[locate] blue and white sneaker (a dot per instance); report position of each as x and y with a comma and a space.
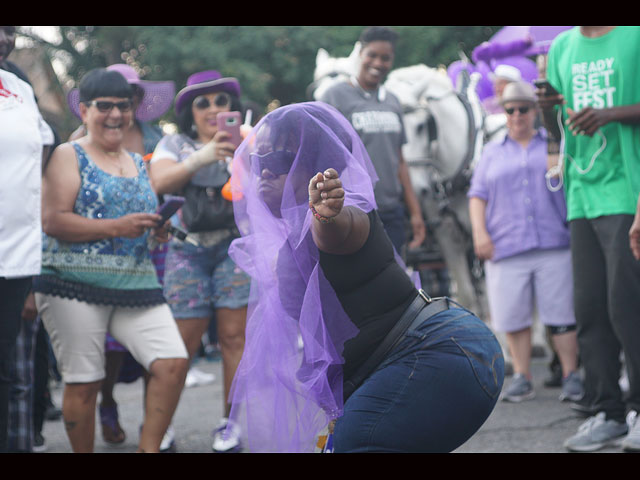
519, 390
572, 388
596, 433
631, 443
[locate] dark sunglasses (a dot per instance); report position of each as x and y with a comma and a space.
278, 162
522, 110
221, 100
104, 106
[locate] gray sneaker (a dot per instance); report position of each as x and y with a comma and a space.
632, 441
519, 389
596, 433
572, 389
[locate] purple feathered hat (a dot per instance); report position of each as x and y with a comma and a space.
207, 81
155, 102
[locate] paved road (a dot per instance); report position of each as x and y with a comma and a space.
537, 426
197, 414
540, 425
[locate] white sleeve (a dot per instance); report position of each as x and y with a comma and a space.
45, 131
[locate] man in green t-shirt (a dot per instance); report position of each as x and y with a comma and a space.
596, 71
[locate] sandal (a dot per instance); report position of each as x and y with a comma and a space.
111, 430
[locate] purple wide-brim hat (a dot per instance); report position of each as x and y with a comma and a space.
207, 81
157, 98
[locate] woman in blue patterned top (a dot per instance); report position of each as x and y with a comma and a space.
97, 274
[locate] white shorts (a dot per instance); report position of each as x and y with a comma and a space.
539, 280
77, 331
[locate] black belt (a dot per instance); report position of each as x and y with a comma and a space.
422, 308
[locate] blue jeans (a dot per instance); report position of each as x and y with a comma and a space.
430, 394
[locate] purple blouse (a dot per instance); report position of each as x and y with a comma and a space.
522, 214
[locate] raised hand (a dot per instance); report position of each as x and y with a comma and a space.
326, 194
216, 150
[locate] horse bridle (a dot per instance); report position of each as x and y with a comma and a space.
459, 178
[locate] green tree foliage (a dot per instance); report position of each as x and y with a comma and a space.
271, 62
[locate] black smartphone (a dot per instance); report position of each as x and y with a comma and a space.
171, 205
543, 84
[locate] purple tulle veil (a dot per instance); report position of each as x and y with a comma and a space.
288, 385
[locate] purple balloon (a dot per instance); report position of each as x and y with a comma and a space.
485, 85
455, 68
538, 34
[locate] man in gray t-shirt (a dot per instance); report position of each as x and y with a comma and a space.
379, 124
376, 115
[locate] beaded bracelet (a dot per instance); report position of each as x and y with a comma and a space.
320, 218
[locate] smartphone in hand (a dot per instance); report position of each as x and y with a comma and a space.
171, 205
230, 122
543, 84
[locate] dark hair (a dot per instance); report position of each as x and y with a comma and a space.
379, 34
185, 117
101, 82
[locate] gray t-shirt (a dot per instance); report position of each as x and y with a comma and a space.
178, 147
378, 120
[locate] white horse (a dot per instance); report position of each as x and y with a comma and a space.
443, 125
330, 70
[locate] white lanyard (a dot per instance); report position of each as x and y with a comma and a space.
557, 170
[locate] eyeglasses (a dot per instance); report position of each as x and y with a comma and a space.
104, 106
278, 162
221, 100
522, 110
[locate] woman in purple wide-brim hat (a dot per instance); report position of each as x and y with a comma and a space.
205, 82
202, 281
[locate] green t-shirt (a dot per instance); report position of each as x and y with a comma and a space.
599, 72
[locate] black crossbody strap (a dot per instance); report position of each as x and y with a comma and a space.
420, 303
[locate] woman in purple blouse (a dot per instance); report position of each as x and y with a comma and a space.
520, 231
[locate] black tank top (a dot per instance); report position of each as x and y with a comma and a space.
373, 289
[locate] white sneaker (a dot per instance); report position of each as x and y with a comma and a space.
631, 443
168, 444
196, 378
226, 437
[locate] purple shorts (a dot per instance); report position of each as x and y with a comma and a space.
539, 281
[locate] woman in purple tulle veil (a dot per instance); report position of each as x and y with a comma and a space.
334, 322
